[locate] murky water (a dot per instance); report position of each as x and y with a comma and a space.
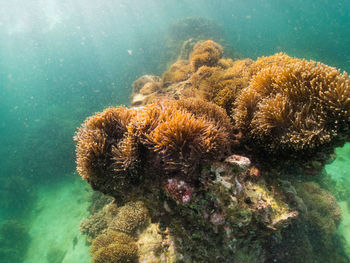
61, 61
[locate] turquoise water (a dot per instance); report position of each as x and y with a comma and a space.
61, 61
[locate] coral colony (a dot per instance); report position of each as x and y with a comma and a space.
215, 160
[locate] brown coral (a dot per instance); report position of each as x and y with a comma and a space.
131, 218
312, 237
206, 110
206, 53
222, 85
114, 247
204, 76
323, 212
294, 105
177, 72
97, 223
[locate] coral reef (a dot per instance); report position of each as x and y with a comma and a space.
281, 105
138, 84
127, 235
223, 83
184, 33
98, 222
98, 201
211, 164
143, 88
299, 243
204, 74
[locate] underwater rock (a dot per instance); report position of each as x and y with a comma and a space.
222, 219
138, 84
217, 219
129, 236
323, 212
143, 88
186, 49
241, 162
156, 246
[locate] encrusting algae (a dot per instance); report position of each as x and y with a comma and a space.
213, 163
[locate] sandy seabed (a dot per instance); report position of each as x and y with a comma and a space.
54, 228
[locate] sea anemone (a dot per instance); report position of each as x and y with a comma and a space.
113, 146
96, 138
205, 53
294, 106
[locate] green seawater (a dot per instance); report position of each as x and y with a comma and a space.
61, 61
